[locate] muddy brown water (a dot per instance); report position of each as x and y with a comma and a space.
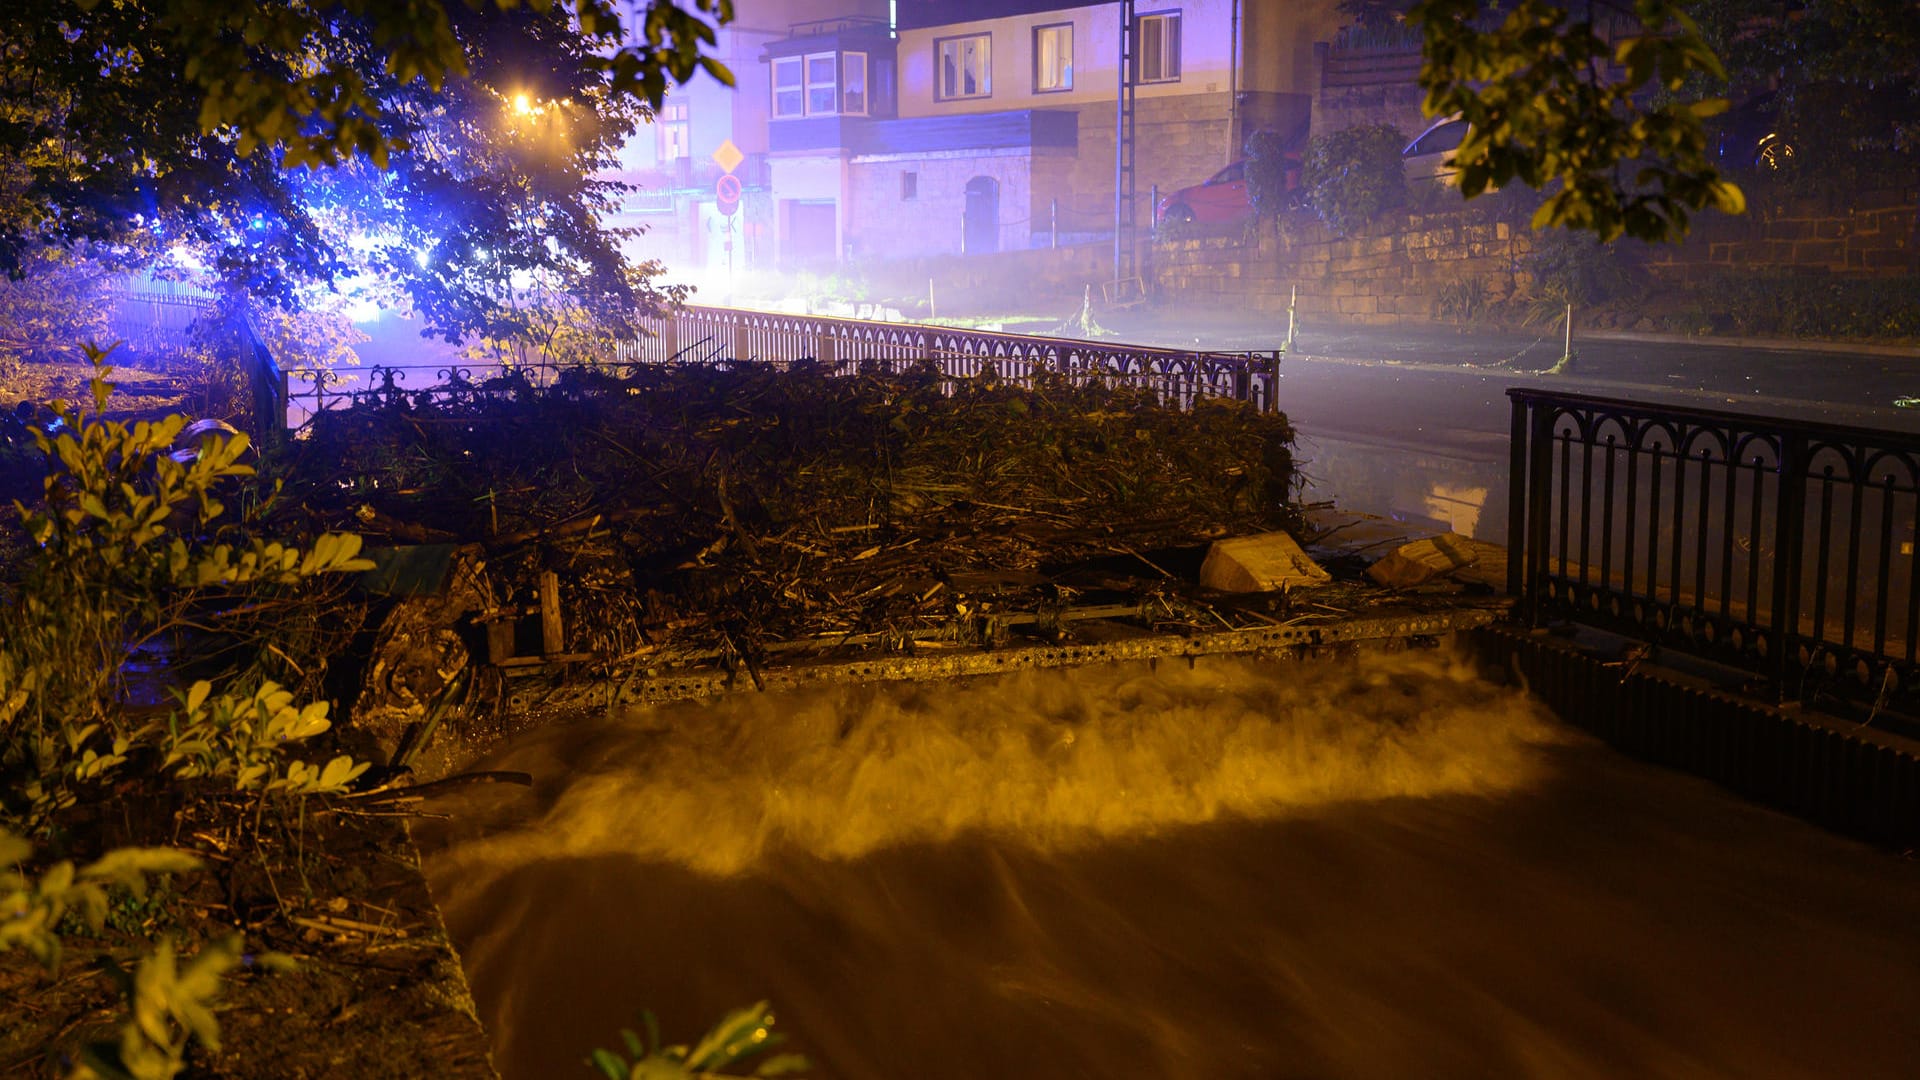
1376, 869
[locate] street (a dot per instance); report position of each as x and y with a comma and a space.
1412, 422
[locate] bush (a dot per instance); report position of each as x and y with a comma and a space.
1575, 268
1817, 305
1352, 176
1267, 174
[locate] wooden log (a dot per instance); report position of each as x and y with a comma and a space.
553, 639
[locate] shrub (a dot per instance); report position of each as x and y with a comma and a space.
1575, 268
1267, 174
1352, 176
123, 553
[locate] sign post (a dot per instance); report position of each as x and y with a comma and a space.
726, 196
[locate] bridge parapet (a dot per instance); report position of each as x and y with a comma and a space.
1782, 547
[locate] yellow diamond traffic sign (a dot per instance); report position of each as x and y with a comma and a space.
728, 156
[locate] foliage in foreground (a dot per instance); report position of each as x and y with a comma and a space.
125, 554
739, 1036
1543, 111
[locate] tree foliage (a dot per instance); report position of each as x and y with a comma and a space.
1552, 105
448, 146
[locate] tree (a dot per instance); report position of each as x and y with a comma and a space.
449, 146
1551, 104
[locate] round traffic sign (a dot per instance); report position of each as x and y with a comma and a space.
726, 193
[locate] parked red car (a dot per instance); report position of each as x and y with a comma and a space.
1221, 198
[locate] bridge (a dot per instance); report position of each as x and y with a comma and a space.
1705, 568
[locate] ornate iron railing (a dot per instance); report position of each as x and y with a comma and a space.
1180, 377
1783, 547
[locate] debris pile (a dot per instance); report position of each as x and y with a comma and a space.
718, 508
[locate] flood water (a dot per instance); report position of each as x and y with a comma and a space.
1375, 868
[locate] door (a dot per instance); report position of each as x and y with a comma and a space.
981, 234
1224, 197
810, 227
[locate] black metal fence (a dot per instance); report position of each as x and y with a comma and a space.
722, 336
1180, 377
1783, 547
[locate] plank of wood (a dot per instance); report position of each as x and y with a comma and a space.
553, 639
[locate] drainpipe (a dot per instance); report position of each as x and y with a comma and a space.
1233, 88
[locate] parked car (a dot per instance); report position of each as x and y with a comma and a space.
1220, 198
1429, 157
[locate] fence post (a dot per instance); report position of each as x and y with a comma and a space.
1789, 531
1517, 501
670, 335
1539, 506
741, 347
1053, 221
823, 348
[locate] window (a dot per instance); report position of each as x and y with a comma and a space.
672, 131
1052, 58
821, 85
909, 185
1439, 139
880, 99
789, 98
853, 79
1158, 48
965, 67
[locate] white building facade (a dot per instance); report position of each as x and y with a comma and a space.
985, 125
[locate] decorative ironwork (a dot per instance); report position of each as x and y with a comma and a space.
724, 335
1783, 547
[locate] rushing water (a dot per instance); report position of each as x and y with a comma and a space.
1382, 868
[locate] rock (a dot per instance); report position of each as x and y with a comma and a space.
1451, 555
1264, 562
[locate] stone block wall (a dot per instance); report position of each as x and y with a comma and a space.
1874, 237
1400, 268
1390, 275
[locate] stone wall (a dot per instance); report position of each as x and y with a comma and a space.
1875, 237
1398, 269
1388, 276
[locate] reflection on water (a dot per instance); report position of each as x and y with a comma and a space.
1382, 868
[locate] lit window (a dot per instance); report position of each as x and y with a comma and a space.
789, 95
1159, 48
822, 87
673, 131
1052, 58
966, 66
853, 72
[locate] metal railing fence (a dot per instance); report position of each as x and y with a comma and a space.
1776, 545
1179, 377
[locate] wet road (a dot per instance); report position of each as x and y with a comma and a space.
1382, 869
1439, 387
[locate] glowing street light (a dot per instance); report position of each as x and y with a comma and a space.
523, 105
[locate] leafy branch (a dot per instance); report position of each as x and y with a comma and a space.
1544, 108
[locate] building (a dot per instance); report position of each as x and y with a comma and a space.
970, 126
670, 162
